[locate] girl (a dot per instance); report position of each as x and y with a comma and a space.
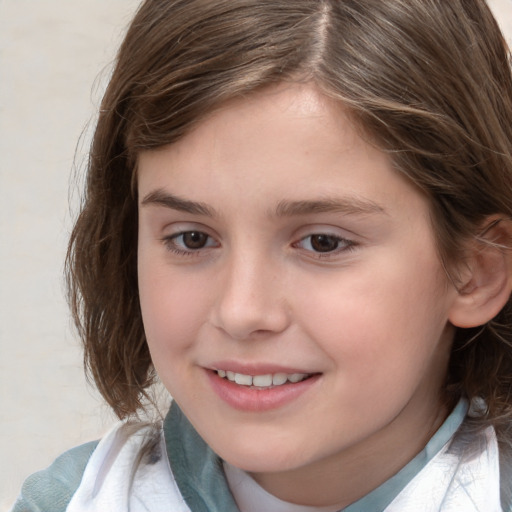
299, 215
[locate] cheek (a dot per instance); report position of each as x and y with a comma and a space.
172, 308
172, 315
379, 322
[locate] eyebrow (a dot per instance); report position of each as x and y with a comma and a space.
345, 205
161, 198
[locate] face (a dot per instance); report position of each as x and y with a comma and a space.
292, 296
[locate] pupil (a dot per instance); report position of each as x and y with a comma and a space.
194, 239
324, 243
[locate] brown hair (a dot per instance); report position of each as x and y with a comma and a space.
428, 80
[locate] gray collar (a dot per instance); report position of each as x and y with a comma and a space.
196, 468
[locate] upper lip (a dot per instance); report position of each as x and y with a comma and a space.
246, 368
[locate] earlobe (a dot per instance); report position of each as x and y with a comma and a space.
488, 283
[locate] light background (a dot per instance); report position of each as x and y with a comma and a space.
54, 62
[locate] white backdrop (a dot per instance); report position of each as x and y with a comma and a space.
54, 58
51, 55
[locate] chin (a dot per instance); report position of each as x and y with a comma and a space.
262, 461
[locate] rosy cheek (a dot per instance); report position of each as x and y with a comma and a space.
171, 312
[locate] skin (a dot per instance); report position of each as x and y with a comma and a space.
370, 316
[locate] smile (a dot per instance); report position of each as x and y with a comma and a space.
262, 391
262, 381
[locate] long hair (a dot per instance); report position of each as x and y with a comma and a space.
429, 81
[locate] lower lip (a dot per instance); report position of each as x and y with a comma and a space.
246, 398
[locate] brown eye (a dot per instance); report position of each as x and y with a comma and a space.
194, 239
324, 243
189, 242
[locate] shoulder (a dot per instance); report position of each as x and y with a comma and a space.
128, 470
52, 488
89, 474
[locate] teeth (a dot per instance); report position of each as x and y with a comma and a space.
262, 381
279, 378
243, 380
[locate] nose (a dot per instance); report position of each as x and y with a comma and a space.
251, 298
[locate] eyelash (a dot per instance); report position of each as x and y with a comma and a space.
172, 246
347, 245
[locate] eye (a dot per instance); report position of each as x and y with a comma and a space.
324, 243
188, 242
192, 239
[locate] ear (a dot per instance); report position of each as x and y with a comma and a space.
487, 276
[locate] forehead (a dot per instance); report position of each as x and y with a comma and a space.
288, 142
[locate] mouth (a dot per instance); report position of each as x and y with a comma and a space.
266, 381
259, 387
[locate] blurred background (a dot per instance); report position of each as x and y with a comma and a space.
55, 59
